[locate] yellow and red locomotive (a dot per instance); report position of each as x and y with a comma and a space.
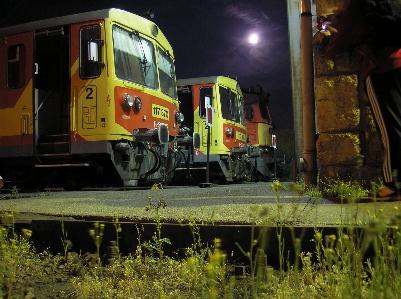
260, 127
88, 98
213, 108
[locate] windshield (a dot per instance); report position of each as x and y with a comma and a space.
167, 75
232, 105
134, 58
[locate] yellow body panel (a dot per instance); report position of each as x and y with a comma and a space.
264, 135
18, 120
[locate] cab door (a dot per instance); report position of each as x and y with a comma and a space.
52, 90
204, 91
86, 67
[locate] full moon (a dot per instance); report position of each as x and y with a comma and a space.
253, 38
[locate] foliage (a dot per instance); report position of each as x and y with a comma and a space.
337, 188
338, 267
157, 241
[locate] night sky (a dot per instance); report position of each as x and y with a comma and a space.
209, 37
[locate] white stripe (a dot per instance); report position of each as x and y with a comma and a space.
387, 173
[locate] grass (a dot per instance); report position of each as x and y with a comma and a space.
338, 266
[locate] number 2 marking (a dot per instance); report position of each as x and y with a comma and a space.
89, 90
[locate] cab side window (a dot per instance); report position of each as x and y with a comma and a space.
90, 67
204, 92
16, 66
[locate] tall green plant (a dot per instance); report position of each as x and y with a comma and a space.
67, 244
118, 230
97, 235
157, 240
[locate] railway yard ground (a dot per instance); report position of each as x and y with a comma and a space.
226, 212
219, 204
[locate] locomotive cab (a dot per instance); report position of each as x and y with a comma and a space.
225, 127
260, 128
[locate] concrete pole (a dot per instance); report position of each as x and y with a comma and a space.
308, 102
296, 79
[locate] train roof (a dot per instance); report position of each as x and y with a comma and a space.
114, 13
206, 80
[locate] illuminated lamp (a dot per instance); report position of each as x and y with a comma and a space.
229, 132
129, 101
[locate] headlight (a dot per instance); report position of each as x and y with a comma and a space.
229, 132
129, 101
179, 117
138, 103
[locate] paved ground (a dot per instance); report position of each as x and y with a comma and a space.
240, 203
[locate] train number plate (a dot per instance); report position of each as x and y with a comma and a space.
240, 136
160, 112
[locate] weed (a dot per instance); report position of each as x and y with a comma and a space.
311, 189
46, 192
156, 186
14, 192
158, 241
13, 195
338, 267
67, 244
350, 190
118, 229
197, 249
97, 235
16, 257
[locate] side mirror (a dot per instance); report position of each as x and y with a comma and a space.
93, 51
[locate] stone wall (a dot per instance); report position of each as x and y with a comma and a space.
348, 144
